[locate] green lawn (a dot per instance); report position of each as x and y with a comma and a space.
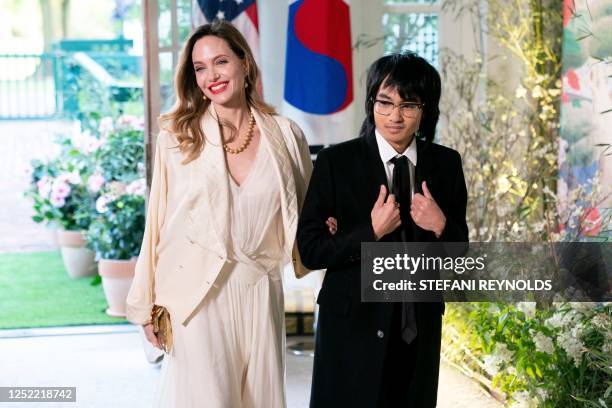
35, 291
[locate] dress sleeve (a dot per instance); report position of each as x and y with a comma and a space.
141, 296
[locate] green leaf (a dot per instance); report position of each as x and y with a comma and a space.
530, 372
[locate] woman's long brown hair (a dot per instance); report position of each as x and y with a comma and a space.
184, 119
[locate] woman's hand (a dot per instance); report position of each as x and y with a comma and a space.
151, 337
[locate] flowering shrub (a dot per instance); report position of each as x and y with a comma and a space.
116, 233
60, 188
122, 155
118, 227
545, 356
556, 355
66, 189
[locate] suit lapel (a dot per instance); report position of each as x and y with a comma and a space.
281, 161
374, 165
210, 190
423, 171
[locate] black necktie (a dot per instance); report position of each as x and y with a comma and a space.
400, 187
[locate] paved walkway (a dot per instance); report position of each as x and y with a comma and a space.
109, 369
23, 141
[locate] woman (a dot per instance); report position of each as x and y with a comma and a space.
381, 354
228, 181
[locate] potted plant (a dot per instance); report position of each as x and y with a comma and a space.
62, 197
115, 235
116, 232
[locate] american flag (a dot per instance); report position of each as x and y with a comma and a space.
241, 13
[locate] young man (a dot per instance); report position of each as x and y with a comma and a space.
390, 184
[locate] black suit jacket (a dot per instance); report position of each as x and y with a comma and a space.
350, 350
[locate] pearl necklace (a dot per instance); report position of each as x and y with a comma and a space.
247, 138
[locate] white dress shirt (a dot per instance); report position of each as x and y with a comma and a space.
387, 153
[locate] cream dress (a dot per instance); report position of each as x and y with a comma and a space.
231, 354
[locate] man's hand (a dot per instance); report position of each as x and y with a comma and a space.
426, 213
385, 214
332, 225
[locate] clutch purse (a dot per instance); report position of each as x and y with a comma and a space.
160, 318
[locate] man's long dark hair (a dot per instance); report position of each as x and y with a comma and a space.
414, 78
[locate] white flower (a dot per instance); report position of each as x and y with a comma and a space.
537, 92
95, 182
491, 364
106, 125
543, 394
102, 203
503, 185
520, 92
572, 346
521, 399
601, 321
562, 319
137, 187
582, 306
542, 342
73, 177
528, 308
505, 355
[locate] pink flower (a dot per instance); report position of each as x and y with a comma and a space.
95, 182
131, 122
137, 187
94, 144
106, 126
591, 222
572, 79
116, 187
57, 201
44, 186
60, 189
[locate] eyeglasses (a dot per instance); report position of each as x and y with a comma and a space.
407, 109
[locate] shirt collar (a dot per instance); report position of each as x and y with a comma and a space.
387, 152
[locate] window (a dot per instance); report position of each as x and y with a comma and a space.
411, 25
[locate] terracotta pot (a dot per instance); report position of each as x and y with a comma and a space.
78, 259
117, 276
